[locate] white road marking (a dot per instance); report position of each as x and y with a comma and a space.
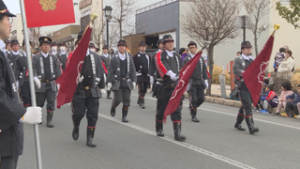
228, 114
183, 144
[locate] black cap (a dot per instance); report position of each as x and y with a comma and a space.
159, 42
167, 38
45, 39
23, 43
142, 44
92, 45
14, 42
79, 36
122, 43
104, 47
53, 44
62, 44
7, 41
246, 44
4, 10
192, 43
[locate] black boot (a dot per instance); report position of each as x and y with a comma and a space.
139, 101
238, 124
90, 137
113, 111
124, 114
142, 103
250, 123
159, 129
49, 119
194, 115
108, 94
75, 132
177, 132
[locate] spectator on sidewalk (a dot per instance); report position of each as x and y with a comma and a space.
285, 70
293, 103
279, 58
269, 99
183, 53
286, 91
238, 54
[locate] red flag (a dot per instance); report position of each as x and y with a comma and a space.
184, 78
49, 12
255, 73
68, 80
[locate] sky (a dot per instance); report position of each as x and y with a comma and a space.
14, 5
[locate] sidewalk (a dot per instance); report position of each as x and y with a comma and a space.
216, 90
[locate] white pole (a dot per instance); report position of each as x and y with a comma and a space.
32, 89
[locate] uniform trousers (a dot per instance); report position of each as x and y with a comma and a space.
49, 95
121, 95
196, 94
9, 162
25, 93
163, 96
142, 89
88, 105
246, 99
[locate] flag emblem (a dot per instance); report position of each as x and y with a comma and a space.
48, 5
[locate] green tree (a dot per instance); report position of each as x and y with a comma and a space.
291, 13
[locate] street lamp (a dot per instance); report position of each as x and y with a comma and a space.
107, 13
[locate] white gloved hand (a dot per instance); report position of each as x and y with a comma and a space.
151, 80
17, 84
80, 79
134, 85
103, 92
173, 76
33, 115
37, 82
109, 85
206, 83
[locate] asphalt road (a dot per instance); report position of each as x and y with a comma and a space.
211, 144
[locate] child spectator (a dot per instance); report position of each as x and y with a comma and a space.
286, 87
259, 106
293, 103
269, 99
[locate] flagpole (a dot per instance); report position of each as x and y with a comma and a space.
32, 89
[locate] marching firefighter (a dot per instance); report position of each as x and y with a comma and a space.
152, 71
15, 53
46, 69
121, 79
53, 48
142, 64
168, 65
63, 55
90, 89
21, 75
240, 65
106, 57
198, 82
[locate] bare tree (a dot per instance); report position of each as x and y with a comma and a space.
213, 22
97, 34
257, 10
124, 9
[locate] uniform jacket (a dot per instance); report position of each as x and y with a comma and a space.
152, 70
37, 64
21, 67
200, 72
11, 137
142, 77
106, 60
13, 59
114, 72
98, 78
63, 60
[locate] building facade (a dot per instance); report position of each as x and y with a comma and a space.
17, 29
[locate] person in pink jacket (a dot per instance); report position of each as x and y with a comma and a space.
286, 87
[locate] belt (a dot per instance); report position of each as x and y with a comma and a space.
86, 87
46, 81
122, 79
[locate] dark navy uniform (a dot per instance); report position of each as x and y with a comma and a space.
168, 65
13, 54
63, 56
46, 69
106, 60
196, 85
142, 65
240, 65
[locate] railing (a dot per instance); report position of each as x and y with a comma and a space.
153, 6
